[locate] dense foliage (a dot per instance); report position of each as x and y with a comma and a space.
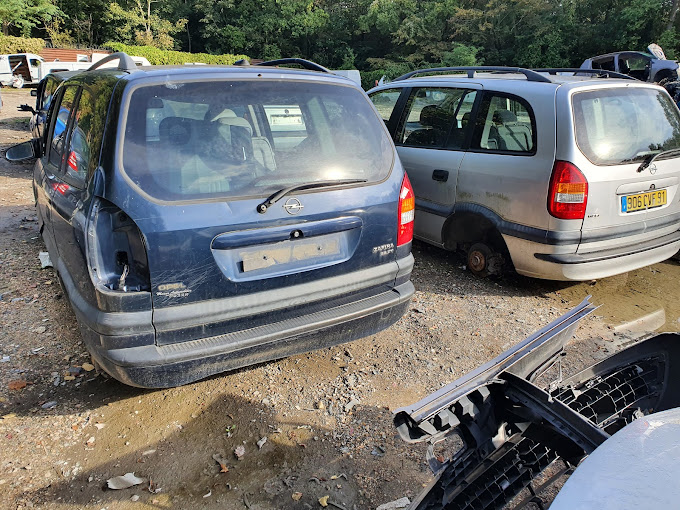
9, 44
156, 56
377, 36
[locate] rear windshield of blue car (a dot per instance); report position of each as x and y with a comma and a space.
625, 124
215, 139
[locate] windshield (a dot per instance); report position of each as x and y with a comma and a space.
625, 125
210, 139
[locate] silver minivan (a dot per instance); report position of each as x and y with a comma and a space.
565, 175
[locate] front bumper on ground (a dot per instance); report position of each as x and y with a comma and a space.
511, 429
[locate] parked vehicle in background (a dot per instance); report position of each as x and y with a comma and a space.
640, 65
492, 432
139, 61
19, 69
566, 174
194, 233
22, 69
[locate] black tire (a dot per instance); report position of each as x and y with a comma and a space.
478, 257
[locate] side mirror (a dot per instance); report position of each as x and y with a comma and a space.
21, 152
34, 92
26, 108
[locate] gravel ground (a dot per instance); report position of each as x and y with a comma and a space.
326, 416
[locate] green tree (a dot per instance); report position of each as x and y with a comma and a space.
137, 24
23, 15
262, 28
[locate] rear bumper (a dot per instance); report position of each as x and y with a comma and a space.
563, 263
153, 366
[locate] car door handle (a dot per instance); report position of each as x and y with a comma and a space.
440, 175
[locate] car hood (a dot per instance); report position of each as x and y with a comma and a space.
649, 450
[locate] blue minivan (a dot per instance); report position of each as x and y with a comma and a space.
205, 218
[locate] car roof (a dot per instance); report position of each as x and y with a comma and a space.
62, 75
553, 80
187, 71
128, 71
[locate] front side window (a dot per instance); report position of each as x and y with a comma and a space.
625, 125
194, 140
504, 124
431, 114
61, 114
385, 101
48, 93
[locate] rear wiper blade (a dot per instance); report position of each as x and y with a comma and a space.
262, 208
650, 158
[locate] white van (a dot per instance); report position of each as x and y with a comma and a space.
19, 69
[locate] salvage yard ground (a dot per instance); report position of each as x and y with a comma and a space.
326, 416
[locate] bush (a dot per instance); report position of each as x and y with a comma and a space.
156, 56
9, 44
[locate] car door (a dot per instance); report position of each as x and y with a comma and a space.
50, 162
507, 164
46, 168
70, 198
431, 137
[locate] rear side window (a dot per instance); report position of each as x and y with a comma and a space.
385, 101
81, 139
624, 125
194, 140
505, 124
433, 116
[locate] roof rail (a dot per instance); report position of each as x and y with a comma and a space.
307, 64
125, 63
601, 73
530, 75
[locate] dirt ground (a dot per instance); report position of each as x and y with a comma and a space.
326, 416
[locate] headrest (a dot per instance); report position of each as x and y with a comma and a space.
214, 114
175, 130
504, 117
433, 116
235, 122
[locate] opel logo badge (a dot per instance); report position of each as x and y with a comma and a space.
293, 206
652, 169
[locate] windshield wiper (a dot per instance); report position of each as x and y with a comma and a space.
651, 157
262, 208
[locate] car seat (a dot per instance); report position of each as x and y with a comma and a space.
512, 135
436, 124
260, 145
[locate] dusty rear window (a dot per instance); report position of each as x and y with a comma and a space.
624, 125
198, 140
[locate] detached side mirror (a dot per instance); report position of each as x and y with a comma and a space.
22, 152
34, 92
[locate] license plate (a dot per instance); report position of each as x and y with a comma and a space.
297, 251
640, 201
